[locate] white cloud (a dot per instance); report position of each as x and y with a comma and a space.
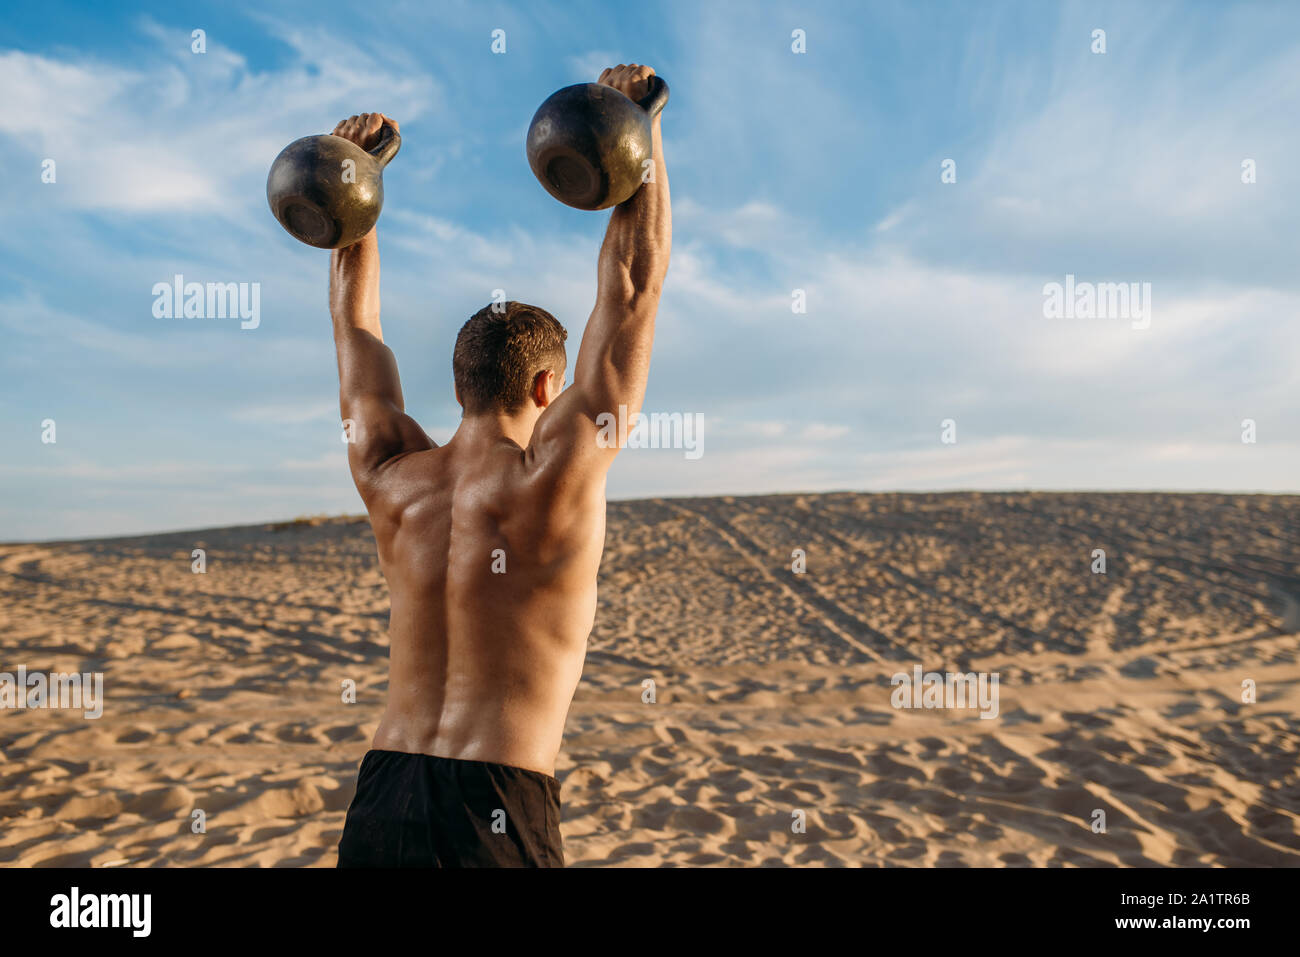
824, 432
587, 67
752, 225
287, 413
192, 132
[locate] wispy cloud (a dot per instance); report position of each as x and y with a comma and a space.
586, 67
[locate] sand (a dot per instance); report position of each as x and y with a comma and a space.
1119, 692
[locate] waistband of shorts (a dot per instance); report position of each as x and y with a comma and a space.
539, 776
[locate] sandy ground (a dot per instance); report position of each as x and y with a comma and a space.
1120, 692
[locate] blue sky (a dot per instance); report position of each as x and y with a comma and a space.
817, 171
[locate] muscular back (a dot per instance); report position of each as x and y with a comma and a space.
492, 573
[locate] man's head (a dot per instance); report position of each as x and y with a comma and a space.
509, 361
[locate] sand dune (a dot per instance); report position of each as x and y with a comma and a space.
1119, 692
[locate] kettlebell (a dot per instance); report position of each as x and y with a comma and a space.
587, 142
319, 198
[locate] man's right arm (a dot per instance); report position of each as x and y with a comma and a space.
614, 357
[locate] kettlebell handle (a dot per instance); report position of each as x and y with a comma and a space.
390, 141
656, 97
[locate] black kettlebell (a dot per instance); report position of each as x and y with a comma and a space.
323, 200
587, 142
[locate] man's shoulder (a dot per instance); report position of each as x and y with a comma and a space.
405, 480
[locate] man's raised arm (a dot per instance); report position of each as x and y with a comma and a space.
614, 357
370, 393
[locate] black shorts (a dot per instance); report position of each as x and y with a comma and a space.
418, 810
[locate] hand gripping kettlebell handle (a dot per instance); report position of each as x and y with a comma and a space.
390, 141
656, 97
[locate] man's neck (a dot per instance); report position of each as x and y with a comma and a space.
487, 428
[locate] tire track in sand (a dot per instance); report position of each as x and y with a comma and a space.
826, 610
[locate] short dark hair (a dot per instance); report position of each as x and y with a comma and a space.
499, 353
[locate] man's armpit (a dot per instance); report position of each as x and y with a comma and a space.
377, 431
567, 438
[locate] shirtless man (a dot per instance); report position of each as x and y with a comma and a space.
491, 543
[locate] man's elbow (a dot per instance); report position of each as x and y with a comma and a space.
644, 303
648, 279
638, 292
